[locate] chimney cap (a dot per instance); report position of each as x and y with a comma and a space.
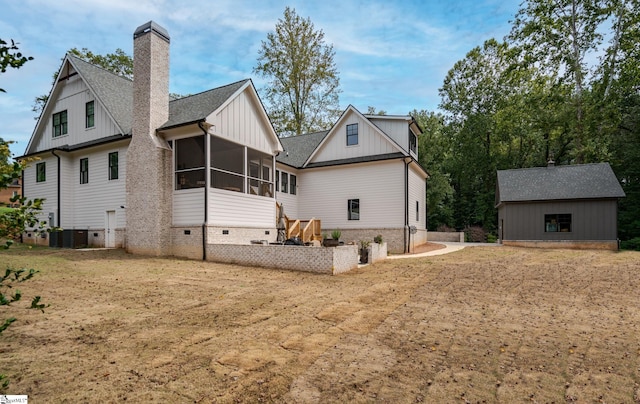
151, 26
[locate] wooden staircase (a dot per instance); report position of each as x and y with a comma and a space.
306, 230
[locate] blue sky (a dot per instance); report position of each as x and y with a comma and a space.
392, 55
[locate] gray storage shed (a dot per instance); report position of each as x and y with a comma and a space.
574, 206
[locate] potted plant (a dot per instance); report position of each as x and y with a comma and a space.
364, 251
334, 241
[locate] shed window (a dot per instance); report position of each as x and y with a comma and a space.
353, 207
557, 223
352, 134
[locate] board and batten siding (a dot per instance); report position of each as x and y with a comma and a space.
396, 129
235, 209
92, 200
240, 122
590, 220
379, 186
188, 207
72, 95
47, 189
370, 142
417, 193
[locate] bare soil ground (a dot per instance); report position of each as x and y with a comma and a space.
479, 325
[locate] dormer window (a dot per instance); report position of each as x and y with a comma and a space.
413, 142
352, 134
60, 123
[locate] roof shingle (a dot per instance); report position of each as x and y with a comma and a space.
582, 181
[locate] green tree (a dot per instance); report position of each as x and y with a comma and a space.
560, 36
303, 91
11, 57
118, 62
434, 152
14, 220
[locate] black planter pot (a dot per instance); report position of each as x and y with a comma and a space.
364, 256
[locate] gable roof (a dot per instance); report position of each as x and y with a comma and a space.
582, 181
297, 149
197, 107
344, 115
113, 91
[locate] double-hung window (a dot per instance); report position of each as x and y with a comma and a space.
292, 186
353, 209
352, 134
284, 183
41, 172
60, 123
84, 171
113, 166
90, 114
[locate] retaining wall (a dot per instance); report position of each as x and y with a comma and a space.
323, 260
446, 236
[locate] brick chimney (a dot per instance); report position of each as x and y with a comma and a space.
149, 169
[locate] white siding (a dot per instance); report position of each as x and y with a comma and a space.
47, 189
188, 207
91, 201
235, 209
417, 192
290, 202
241, 123
379, 187
72, 95
370, 141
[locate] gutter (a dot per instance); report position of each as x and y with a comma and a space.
206, 189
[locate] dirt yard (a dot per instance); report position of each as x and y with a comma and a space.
484, 324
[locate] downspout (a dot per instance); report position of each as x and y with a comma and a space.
206, 190
58, 221
406, 205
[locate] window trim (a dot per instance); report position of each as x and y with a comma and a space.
284, 182
558, 223
413, 142
41, 174
352, 206
84, 170
293, 183
112, 166
90, 120
351, 134
63, 125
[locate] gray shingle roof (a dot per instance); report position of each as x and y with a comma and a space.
198, 106
115, 92
583, 181
297, 149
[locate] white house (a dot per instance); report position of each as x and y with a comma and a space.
122, 165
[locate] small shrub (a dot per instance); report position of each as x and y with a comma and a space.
492, 238
364, 244
336, 234
633, 244
475, 234
445, 228
378, 239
